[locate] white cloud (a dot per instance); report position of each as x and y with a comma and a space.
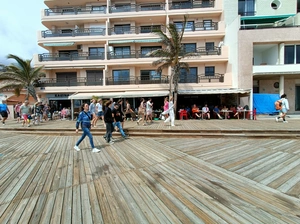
20, 22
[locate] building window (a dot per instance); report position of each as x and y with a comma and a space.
207, 24
150, 75
122, 29
122, 52
94, 77
246, 7
189, 48
121, 75
209, 46
96, 52
189, 26
145, 50
209, 70
186, 77
292, 54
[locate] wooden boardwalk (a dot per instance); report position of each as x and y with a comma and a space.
149, 180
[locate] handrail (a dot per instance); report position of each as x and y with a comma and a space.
73, 32
75, 10
137, 80
117, 30
70, 56
192, 4
136, 7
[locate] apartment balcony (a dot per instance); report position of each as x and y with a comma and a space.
135, 30
200, 51
192, 4
83, 81
70, 57
73, 32
136, 7
75, 10
275, 69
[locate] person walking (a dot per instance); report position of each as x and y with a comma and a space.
166, 106
92, 110
4, 111
117, 120
99, 109
84, 118
171, 112
149, 109
108, 118
25, 111
17, 111
141, 111
284, 108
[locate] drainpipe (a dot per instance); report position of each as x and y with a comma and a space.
251, 103
72, 109
281, 85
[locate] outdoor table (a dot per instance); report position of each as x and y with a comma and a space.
226, 112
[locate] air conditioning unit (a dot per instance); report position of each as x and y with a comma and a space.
79, 47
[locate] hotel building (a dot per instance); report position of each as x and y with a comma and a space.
99, 48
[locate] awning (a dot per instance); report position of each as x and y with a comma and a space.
61, 44
121, 94
135, 41
212, 91
263, 19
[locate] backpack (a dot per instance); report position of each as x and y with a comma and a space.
278, 105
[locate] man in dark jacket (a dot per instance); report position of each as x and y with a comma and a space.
108, 118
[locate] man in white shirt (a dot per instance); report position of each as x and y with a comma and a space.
205, 112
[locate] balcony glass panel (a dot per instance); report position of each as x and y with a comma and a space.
209, 70
121, 8
94, 77
121, 77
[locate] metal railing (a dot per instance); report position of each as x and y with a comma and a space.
200, 51
73, 32
201, 26
75, 10
136, 7
252, 13
53, 82
70, 56
192, 4
135, 29
137, 80
202, 78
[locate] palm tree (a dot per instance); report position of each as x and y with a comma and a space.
19, 76
171, 55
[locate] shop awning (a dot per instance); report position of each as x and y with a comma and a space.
263, 19
121, 94
212, 91
156, 40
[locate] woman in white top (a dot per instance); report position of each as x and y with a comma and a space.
99, 110
171, 112
92, 109
149, 106
141, 112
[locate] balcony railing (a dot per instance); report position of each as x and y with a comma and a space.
253, 13
74, 32
200, 51
75, 10
49, 82
70, 56
192, 4
137, 80
201, 26
136, 7
135, 29
202, 78
54, 82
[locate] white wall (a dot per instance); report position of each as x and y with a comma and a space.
271, 56
263, 7
257, 57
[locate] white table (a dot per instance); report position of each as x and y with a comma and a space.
226, 113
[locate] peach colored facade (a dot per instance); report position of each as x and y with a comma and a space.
79, 26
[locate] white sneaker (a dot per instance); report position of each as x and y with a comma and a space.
111, 142
96, 150
76, 148
285, 122
276, 119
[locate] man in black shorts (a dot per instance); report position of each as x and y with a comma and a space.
4, 111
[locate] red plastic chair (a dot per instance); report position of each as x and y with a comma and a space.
183, 114
253, 113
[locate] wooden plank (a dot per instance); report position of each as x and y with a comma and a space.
38, 210
95, 208
76, 206
18, 211
48, 208
28, 210
66, 216
85, 205
58, 207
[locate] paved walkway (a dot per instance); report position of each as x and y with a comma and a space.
163, 179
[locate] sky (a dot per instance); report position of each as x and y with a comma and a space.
20, 22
